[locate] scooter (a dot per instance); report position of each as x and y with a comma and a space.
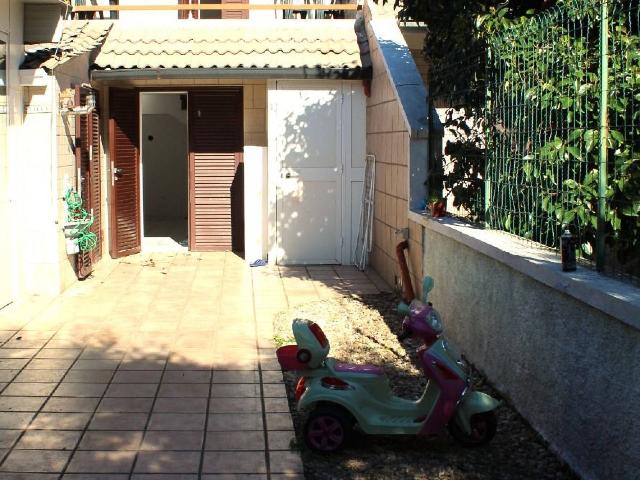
341, 396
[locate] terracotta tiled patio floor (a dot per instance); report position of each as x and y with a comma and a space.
157, 367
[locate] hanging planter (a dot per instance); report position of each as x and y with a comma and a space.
77, 227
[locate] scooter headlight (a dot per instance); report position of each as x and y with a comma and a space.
434, 321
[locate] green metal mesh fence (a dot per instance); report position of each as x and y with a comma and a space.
549, 103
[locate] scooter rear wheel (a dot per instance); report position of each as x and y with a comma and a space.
328, 429
483, 429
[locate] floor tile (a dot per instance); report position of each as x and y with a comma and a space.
96, 365
79, 405
131, 390
230, 422
180, 405
18, 352
179, 390
137, 376
60, 421
285, 462
235, 376
29, 389
168, 462
276, 405
101, 461
15, 420
187, 376
279, 421
118, 421
88, 376
48, 440
235, 390
13, 363
40, 376
35, 461
125, 405
235, 405
49, 364
80, 390
233, 441
173, 440
281, 440
177, 421
67, 353
95, 476
8, 437
111, 440
8, 375
234, 462
21, 404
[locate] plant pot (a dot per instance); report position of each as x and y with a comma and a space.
72, 246
438, 209
71, 229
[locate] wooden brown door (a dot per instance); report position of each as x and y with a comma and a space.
215, 153
88, 167
125, 172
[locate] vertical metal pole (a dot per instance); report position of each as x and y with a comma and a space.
604, 133
488, 107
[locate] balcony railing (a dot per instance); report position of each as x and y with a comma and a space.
311, 9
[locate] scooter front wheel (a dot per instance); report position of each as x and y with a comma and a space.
483, 429
328, 429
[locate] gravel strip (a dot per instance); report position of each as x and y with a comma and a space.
363, 330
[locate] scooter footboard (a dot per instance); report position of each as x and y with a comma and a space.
473, 403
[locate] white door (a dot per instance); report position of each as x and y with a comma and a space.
5, 254
306, 118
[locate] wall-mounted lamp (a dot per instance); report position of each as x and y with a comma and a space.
67, 106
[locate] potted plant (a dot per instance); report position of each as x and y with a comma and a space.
437, 205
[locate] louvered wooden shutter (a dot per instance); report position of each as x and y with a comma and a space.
125, 174
216, 139
182, 14
235, 13
88, 167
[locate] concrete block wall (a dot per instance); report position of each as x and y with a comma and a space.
569, 368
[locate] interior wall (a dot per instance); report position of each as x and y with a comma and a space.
164, 143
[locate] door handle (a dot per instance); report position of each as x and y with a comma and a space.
118, 172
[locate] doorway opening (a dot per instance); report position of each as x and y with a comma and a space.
164, 145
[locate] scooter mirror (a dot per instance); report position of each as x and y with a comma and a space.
427, 286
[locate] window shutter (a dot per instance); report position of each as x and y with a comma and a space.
88, 167
216, 143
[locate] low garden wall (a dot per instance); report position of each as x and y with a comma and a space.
568, 359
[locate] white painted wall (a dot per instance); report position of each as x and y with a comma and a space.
255, 203
10, 231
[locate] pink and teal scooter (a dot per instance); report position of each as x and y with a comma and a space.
343, 396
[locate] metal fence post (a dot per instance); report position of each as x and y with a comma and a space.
604, 133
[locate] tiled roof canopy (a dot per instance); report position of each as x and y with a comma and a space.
78, 37
229, 44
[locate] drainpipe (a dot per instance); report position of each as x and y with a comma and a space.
407, 289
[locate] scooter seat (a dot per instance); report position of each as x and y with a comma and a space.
355, 368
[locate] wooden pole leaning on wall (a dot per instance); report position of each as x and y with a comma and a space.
218, 6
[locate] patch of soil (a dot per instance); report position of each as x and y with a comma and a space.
363, 330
